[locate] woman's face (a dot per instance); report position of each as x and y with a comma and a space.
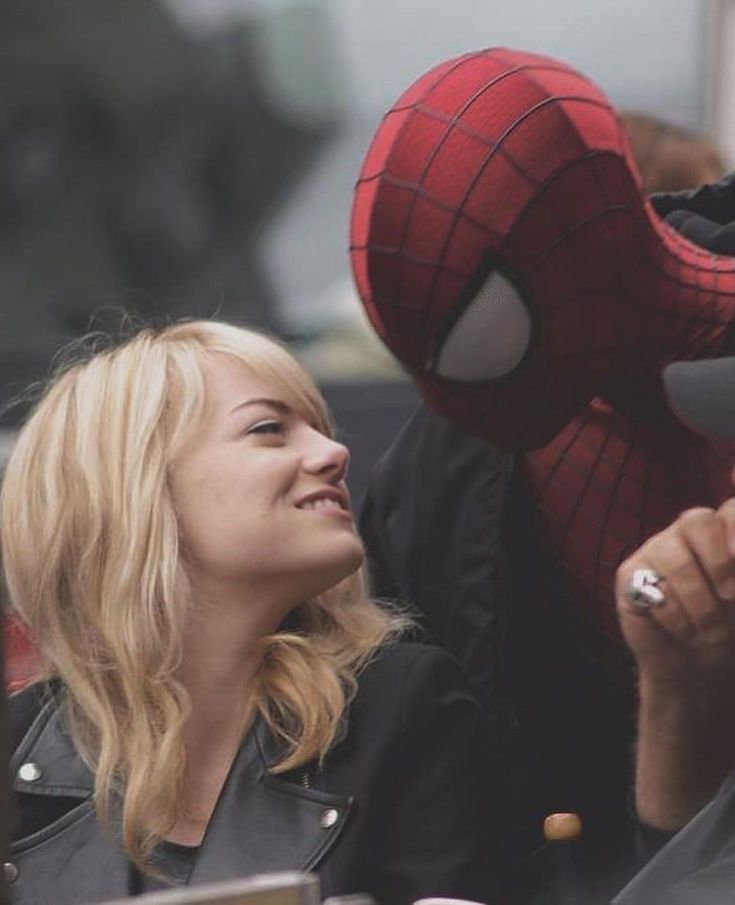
260, 496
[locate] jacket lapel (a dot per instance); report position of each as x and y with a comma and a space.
264, 823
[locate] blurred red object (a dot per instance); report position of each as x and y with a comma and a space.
21, 657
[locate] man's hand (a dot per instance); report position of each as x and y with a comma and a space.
685, 650
691, 636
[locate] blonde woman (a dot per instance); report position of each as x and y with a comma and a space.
219, 696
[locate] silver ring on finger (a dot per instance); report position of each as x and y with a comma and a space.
644, 591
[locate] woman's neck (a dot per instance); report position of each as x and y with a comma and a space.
221, 656
220, 661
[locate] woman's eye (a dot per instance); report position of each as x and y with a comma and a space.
266, 427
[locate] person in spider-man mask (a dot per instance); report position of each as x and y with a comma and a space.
505, 254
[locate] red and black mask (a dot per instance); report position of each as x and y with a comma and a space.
505, 254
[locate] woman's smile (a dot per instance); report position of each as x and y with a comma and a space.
328, 501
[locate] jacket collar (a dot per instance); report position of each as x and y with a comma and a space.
46, 762
53, 765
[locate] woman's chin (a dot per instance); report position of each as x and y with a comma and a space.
343, 567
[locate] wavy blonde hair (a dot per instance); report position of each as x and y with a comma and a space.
90, 547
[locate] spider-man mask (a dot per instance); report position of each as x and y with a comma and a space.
506, 256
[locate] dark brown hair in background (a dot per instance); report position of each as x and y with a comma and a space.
669, 157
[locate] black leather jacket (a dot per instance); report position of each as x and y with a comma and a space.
405, 805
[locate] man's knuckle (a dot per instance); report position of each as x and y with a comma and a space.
672, 550
723, 576
696, 518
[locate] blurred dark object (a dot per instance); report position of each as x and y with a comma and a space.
5, 813
558, 871
567, 870
137, 165
669, 157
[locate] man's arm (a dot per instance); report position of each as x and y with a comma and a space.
686, 747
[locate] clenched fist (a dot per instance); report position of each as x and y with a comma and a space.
691, 635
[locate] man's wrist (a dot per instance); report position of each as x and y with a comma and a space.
686, 747
687, 692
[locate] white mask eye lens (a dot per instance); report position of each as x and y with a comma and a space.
491, 336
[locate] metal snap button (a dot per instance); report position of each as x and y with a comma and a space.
10, 872
329, 818
30, 772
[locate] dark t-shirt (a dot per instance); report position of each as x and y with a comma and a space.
175, 861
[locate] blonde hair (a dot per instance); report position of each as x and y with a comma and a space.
91, 553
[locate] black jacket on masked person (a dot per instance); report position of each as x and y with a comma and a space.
408, 802
449, 531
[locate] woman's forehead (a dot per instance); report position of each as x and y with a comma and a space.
231, 384
229, 381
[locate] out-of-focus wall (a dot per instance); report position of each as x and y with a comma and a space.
720, 75
644, 53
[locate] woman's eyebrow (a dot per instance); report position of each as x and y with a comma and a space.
276, 404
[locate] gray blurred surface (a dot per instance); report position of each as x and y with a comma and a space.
137, 167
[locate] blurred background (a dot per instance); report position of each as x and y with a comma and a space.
179, 158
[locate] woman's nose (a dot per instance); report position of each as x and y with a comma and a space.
327, 456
